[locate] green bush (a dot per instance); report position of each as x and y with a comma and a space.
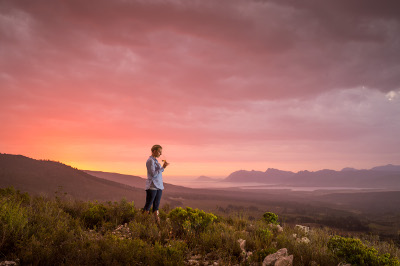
188, 221
355, 252
120, 212
51, 234
260, 237
94, 215
16, 195
13, 222
270, 218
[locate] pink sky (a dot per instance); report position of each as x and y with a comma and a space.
221, 85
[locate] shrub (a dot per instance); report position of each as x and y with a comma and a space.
16, 195
270, 218
355, 252
13, 222
188, 221
95, 215
174, 253
121, 212
260, 237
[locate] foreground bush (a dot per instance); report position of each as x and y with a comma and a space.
190, 221
355, 252
270, 218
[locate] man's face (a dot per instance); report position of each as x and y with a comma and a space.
157, 153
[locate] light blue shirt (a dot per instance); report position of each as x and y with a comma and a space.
154, 173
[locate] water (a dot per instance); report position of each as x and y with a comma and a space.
251, 185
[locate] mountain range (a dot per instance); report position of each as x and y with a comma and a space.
387, 177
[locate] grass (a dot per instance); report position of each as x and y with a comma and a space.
44, 231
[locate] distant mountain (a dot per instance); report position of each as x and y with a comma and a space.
348, 169
205, 178
387, 168
270, 176
387, 177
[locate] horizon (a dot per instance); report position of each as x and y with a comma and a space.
249, 84
167, 175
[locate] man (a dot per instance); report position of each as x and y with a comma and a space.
154, 182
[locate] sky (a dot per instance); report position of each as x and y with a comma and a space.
222, 85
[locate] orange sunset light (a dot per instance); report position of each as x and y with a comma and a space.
221, 87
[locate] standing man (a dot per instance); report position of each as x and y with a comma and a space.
154, 182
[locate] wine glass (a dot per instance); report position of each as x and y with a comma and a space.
163, 159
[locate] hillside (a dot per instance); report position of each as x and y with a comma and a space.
133, 181
37, 231
41, 177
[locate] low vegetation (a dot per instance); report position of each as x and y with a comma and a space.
43, 231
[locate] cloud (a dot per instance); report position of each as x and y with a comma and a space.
244, 49
275, 74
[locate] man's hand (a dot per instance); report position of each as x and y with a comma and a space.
165, 164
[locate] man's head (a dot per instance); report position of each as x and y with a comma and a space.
156, 151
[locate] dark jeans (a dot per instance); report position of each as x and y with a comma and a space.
153, 197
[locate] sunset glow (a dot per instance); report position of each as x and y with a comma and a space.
221, 85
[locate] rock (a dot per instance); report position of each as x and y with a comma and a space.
276, 227
344, 264
242, 243
196, 257
193, 262
280, 228
303, 240
7, 263
303, 228
281, 257
284, 261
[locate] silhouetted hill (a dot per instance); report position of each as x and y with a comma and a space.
46, 177
130, 180
387, 177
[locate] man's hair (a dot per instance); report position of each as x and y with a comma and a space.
155, 147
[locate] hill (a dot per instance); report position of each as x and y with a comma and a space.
133, 181
44, 177
41, 177
37, 231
